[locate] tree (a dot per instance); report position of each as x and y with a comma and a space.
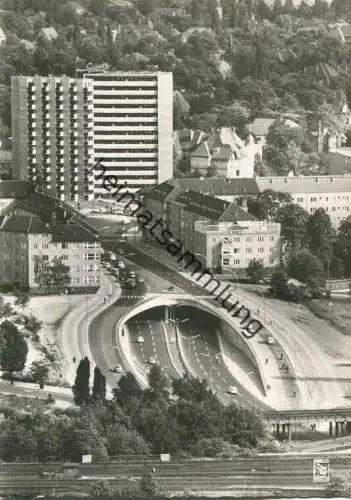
81, 389
99, 386
14, 350
320, 236
158, 381
267, 203
305, 267
343, 245
242, 427
60, 274
32, 323
40, 371
293, 220
127, 390
148, 484
279, 283
55, 275
255, 270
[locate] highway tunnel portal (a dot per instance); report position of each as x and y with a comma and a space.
230, 329
280, 423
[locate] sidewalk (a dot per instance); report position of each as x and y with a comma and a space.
72, 337
281, 389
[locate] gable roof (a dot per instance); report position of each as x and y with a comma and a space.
71, 233
14, 189
160, 192
203, 205
259, 127
223, 153
29, 224
202, 150
49, 33
234, 213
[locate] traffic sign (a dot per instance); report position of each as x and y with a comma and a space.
321, 470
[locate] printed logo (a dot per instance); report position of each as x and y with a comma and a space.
321, 470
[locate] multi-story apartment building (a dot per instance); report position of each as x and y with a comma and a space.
217, 232
228, 246
133, 127
27, 245
52, 134
330, 192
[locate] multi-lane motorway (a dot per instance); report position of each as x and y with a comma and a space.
200, 348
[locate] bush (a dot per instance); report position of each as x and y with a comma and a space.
148, 485
339, 487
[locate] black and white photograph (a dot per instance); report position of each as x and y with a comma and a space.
175, 249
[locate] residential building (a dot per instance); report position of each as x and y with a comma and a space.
230, 247
224, 154
217, 232
342, 31
339, 161
133, 127
36, 228
52, 134
330, 192
2, 36
259, 128
47, 35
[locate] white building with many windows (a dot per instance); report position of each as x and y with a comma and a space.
230, 247
331, 192
133, 127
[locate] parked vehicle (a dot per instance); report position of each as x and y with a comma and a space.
233, 390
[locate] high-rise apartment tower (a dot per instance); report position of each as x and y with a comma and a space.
52, 134
133, 127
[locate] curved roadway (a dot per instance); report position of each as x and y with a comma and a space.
315, 377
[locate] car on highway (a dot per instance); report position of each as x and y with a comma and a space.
140, 339
118, 369
152, 360
233, 390
121, 265
140, 280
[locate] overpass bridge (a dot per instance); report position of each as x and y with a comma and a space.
281, 423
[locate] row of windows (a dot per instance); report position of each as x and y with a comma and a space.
300, 199
124, 115
237, 239
85, 280
125, 87
138, 124
237, 262
127, 141
139, 177
332, 209
248, 250
129, 103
